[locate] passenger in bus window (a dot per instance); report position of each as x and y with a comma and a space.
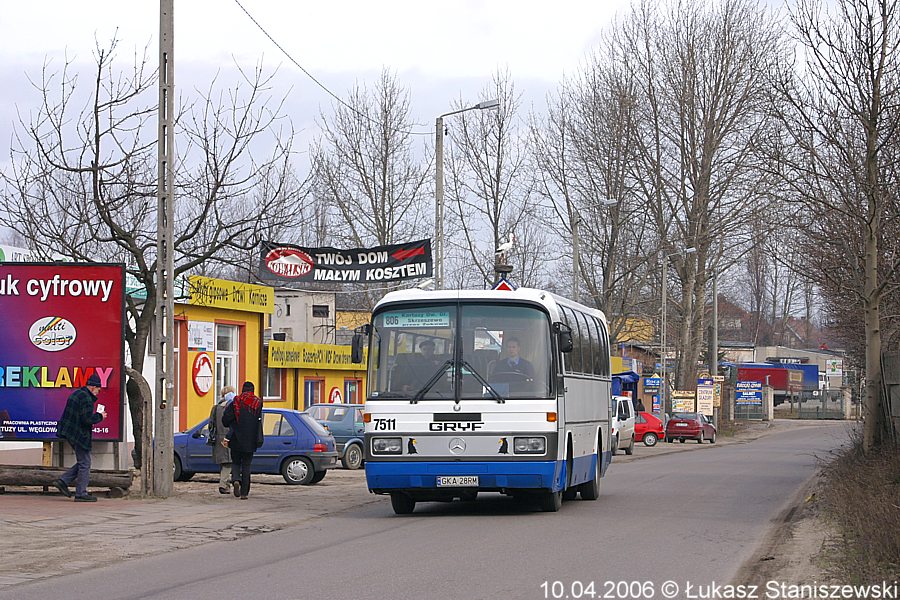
420, 368
426, 356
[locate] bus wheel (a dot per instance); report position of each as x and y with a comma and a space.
570, 493
590, 490
551, 501
402, 504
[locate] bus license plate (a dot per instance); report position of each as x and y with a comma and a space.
457, 481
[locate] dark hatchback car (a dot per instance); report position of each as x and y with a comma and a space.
296, 446
345, 422
690, 426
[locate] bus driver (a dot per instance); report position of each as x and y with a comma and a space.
514, 363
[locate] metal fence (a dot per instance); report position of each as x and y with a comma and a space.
749, 410
825, 404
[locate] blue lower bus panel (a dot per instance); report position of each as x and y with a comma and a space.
491, 475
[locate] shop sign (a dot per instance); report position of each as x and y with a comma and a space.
683, 401
62, 323
748, 393
14, 254
303, 355
718, 382
201, 336
220, 293
834, 367
202, 373
334, 397
706, 393
396, 262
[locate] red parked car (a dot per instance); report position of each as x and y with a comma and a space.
648, 429
690, 426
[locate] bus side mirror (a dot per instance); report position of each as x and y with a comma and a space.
563, 337
358, 343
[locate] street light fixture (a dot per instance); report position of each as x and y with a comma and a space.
439, 187
576, 251
664, 387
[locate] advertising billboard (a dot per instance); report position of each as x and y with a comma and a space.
396, 262
62, 322
748, 393
706, 395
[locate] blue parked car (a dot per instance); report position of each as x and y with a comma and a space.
296, 446
345, 422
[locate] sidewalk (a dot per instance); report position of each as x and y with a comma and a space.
48, 534
44, 534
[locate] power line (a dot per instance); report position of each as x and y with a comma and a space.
316, 81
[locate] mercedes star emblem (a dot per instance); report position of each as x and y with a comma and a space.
457, 445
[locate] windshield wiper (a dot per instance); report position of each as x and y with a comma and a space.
483, 382
428, 385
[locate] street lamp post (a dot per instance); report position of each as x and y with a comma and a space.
576, 251
664, 387
439, 187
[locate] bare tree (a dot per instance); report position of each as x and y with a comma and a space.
838, 156
82, 180
700, 68
491, 192
585, 163
368, 173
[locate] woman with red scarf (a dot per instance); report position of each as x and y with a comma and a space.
244, 417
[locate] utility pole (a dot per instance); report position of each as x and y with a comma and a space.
439, 203
714, 330
664, 385
439, 187
163, 452
576, 258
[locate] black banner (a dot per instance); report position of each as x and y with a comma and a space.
286, 262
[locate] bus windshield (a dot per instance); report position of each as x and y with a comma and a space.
460, 351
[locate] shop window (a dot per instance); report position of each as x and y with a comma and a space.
313, 391
227, 356
352, 390
272, 384
320, 311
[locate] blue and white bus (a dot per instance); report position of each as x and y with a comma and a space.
476, 391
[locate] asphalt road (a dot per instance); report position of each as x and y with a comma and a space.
689, 517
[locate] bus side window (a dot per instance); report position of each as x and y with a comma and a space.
573, 358
599, 346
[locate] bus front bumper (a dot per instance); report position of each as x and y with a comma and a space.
384, 477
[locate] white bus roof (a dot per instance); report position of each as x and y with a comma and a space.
530, 294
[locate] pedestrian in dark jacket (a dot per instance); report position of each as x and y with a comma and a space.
244, 417
76, 426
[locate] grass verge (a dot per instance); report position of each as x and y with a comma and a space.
861, 495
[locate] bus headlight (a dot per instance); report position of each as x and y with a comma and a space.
386, 445
530, 445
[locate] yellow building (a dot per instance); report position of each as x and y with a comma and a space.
312, 373
637, 330
218, 342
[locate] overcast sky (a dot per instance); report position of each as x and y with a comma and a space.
440, 51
